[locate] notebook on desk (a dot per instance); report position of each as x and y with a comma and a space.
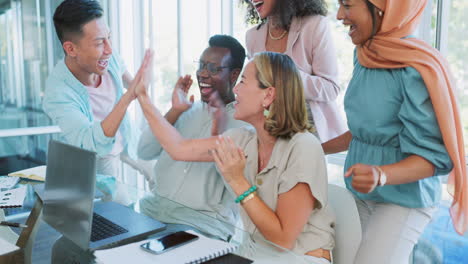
229, 259
13, 198
199, 251
69, 208
36, 173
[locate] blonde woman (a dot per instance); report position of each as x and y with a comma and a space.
276, 167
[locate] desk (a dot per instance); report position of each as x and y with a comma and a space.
32, 209
177, 216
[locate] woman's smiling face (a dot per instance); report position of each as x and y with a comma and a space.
356, 15
264, 7
249, 96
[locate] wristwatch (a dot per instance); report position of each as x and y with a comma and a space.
382, 176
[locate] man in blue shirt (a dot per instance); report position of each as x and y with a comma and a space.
198, 185
84, 93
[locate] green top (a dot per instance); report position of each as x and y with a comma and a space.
391, 117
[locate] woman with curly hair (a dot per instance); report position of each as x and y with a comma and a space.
300, 29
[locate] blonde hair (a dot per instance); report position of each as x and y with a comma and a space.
288, 114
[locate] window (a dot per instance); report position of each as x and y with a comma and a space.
178, 32
343, 44
456, 53
446, 31
23, 70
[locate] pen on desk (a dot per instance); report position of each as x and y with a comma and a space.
3, 223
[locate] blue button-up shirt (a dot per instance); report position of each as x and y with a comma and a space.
67, 103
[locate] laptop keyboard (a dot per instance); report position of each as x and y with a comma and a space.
103, 228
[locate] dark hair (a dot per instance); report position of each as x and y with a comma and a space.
71, 15
236, 49
286, 10
371, 8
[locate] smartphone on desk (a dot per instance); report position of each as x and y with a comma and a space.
168, 242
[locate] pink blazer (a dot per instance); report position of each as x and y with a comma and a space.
311, 47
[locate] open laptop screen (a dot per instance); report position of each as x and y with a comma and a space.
69, 191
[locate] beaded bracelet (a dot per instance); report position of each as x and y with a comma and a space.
248, 197
249, 191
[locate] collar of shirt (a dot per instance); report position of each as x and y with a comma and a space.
68, 77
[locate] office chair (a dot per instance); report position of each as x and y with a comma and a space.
348, 232
143, 167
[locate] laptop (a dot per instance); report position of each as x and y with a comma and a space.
69, 208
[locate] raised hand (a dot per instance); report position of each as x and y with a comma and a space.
219, 114
230, 159
180, 102
365, 177
144, 75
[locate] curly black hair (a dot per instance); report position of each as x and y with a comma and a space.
286, 10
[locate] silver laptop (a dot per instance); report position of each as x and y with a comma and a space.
69, 207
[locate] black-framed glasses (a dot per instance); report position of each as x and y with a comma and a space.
212, 68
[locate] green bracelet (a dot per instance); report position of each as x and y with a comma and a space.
249, 191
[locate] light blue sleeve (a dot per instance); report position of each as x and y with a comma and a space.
77, 129
421, 134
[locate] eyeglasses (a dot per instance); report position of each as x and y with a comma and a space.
212, 68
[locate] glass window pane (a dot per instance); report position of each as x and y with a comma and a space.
458, 56
23, 64
239, 25
164, 30
214, 21
195, 34
11, 57
35, 53
126, 28
343, 44
432, 5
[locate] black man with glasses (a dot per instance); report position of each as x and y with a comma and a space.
198, 185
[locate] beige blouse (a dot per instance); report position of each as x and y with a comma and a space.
295, 160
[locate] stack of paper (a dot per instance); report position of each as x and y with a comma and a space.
13, 197
36, 173
7, 182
